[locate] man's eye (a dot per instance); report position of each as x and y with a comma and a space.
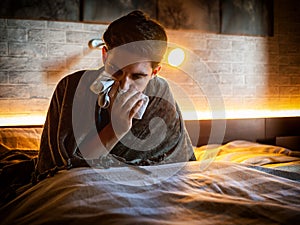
138, 76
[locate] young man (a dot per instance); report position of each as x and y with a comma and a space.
80, 131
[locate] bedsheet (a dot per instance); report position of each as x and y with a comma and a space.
177, 193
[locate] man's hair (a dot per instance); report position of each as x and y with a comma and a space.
135, 27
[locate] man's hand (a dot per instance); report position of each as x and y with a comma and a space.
123, 107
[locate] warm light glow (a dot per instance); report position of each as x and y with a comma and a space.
22, 120
176, 57
239, 114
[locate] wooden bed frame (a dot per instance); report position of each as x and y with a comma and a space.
283, 131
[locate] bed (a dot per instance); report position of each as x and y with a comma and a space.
252, 177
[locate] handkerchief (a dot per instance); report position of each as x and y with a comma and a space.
101, 86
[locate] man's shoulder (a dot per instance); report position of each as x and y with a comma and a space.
158, 86
159, 81
77, 75
74, 76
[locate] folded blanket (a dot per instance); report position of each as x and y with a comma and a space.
73, 115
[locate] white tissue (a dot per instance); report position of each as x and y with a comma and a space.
140, 113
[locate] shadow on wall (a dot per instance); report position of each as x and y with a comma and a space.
88, 59
31, 81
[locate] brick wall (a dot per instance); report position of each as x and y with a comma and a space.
244, 72
35, 55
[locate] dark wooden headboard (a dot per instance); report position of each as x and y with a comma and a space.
283, 131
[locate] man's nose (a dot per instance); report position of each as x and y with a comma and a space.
125, 82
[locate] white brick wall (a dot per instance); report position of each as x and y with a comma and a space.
250, 72
35, 55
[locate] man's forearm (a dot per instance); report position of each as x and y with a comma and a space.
99, 144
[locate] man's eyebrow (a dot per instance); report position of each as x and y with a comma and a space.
140, 74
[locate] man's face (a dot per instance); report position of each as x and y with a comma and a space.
136, 75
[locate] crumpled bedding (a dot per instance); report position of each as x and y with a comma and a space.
178, 193
16, 169
17, 166
240, 182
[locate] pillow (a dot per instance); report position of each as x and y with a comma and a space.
20, 138
247, 152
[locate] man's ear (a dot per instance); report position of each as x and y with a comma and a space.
104, 54
156, 71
